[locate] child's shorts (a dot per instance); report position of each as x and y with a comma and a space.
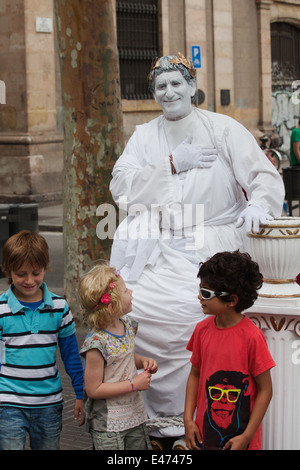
131, 439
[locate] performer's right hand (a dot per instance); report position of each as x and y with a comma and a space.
187, 156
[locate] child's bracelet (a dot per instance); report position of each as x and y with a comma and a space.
132, 386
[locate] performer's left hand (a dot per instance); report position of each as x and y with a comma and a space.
253, 217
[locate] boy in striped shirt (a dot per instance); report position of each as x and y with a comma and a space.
33, 321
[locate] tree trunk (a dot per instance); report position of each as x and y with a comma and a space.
93, 129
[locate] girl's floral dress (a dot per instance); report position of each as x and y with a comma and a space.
124, 411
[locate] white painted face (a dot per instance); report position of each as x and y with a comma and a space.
173, 93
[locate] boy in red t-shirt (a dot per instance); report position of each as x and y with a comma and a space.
229, 383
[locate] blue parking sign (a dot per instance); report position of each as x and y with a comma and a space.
196, 56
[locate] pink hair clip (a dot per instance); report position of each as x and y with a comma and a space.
105, 299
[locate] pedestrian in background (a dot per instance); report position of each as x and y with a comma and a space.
33, 321
295, 146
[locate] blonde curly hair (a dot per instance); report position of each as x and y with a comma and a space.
92, 286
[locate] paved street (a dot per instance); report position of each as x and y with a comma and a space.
73, 437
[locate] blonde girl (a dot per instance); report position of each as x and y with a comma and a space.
115, 411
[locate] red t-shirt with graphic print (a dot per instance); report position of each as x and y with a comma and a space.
229, 359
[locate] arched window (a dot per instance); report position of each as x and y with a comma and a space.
285, 47
138, 44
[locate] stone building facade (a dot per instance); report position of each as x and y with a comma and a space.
31, 140
235, 78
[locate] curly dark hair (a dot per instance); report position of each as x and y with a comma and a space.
235, 273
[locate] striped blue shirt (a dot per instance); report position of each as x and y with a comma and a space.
28, 342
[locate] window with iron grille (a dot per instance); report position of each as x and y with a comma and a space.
138, 44
285, 43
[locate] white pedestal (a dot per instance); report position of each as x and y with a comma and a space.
276, 249
279, 319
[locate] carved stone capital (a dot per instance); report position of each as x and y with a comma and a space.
264, 4
277, 323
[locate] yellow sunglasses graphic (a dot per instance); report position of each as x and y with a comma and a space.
217, 393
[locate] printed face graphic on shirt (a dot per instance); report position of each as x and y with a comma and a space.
228, 407
224, 399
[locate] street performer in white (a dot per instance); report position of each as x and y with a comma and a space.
193, 182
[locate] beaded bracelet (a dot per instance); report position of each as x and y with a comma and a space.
132, 386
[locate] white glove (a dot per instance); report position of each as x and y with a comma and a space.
253, 216
187, 156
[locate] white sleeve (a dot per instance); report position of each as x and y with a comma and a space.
253, 171
142, 176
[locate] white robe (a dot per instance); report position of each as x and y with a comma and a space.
158, 247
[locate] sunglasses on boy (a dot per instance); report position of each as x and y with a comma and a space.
209, 294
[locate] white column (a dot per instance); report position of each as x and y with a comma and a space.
195, 21
276, 249
281, 424
264, 43
223, 52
